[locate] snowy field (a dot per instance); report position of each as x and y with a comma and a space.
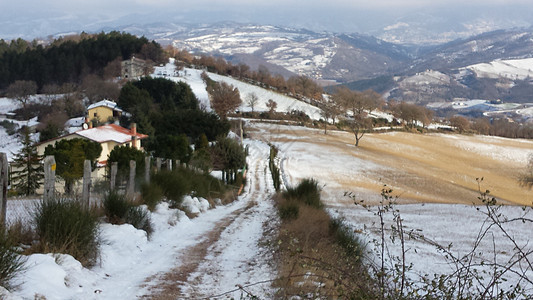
10, 144
339, 167
513, 69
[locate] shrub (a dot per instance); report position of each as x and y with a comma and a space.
307, 191
20, 232
346, 239
66, 226
11, 263
151, 194
140, 219
173, 185
11, 128
116, 206
274, 170
119, 210
183, 181
289, 210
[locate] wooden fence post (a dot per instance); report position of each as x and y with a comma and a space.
147, 162
86, 191
131, 182
113, 179
169, 164
158, 164
49, 178
3, 183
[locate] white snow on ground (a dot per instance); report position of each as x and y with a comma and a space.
10, 144
513, 69
285, 103
193, 78
425, 78
236, 264
494, 147
445, 224
128, 258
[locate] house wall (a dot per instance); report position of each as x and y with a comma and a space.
102, 113
107, 147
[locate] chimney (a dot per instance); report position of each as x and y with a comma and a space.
90, 124
133, 129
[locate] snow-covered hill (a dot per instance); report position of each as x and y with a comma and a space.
520, 69
193, 78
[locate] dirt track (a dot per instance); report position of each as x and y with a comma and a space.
233, 252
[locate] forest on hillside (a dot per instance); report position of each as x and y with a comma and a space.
70, 59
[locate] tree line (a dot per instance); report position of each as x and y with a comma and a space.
70, 59
298, 86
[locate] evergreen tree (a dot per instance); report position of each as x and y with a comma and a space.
70, 156
122, 156
28, 171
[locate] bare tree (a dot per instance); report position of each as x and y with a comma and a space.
225, 98
329, 109
411, 114
272, 105
304, 86
96, 89
252, 100
460, 123
359, 104
21, 90
481, 126
51, 91
113, 69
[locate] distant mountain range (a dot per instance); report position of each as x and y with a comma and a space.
419, 58
413, 73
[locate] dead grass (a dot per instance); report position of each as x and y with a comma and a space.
420, 167
312, 265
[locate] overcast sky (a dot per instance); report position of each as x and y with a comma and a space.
142, 4
40, 16
22, 7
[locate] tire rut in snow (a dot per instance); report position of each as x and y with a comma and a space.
168, 285
181, 282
